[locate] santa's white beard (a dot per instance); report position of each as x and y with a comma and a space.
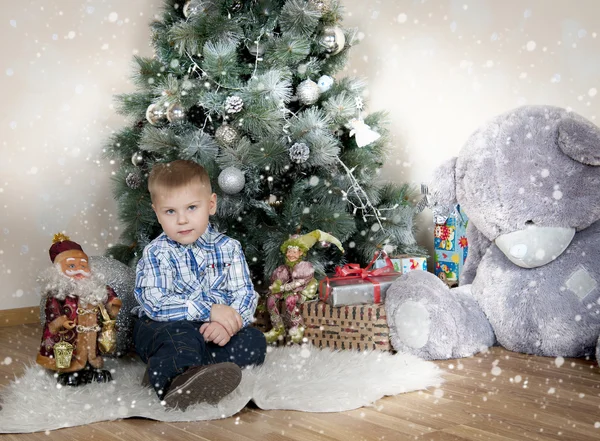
90, 290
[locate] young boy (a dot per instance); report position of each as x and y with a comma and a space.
195, 295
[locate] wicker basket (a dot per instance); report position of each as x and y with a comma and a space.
361, 327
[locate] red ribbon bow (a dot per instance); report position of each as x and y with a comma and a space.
353, 270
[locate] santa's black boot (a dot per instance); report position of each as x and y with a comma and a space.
69, 379
102, 376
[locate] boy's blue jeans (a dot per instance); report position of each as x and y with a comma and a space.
169, 348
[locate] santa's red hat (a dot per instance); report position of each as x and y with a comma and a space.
62, 243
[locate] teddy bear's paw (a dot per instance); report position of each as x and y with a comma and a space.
433, 322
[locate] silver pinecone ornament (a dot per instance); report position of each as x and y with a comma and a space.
133, 180
233, 104
299, 152
308, 92
227, 136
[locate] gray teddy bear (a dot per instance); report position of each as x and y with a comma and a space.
529, 181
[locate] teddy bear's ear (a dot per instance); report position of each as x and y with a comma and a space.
579, 139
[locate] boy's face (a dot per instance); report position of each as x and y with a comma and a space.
183, 212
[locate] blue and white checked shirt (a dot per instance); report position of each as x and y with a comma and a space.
182, 282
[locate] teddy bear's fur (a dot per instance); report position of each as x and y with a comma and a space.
529, 181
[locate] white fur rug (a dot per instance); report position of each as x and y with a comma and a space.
296, 378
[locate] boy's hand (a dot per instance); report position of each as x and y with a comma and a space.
228, 317
215, 332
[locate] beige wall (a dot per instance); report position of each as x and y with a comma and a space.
439, 67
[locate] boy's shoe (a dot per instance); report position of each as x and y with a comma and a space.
296, 334
203, 384
274, 334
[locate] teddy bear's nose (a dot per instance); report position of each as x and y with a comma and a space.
535, 246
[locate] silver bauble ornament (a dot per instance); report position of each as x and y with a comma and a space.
308, 92
137, 159
231, 180
227, 136
257, 49
175, 113
192, 7
332, 39
156, 114
325, 83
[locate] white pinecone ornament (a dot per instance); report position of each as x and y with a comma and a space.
233, 104
299, 152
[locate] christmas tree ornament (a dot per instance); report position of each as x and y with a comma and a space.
299, 152
363, 135
175, 113
233, 104
227, 136
235, 5
274, 201
325, 83
332, 40
321, 5
156, 114
133, 180
231, 180
192, 8
308, 92
256, 49
137, 159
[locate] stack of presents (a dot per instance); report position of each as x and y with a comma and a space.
350, 310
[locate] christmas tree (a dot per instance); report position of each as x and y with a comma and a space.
248, 90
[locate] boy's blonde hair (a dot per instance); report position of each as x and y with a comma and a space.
176, 174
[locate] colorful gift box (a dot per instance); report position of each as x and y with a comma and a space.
360, 327
353, 285
451, 246
404, 263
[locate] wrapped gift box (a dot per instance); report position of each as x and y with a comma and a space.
359, 327
404, 263
353, 285
340, 291
451, 246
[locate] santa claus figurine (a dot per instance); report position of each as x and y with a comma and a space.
80, 312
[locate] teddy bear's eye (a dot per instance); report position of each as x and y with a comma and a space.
529, 222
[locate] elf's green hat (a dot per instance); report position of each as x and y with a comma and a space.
306, 241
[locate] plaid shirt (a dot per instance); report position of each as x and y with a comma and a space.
182, 282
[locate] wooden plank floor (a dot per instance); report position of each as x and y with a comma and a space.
497, 395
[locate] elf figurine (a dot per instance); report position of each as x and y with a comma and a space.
80, 317
294, 281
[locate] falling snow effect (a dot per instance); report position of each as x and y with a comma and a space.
514, 61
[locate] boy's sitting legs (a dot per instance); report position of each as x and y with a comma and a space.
185, 370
